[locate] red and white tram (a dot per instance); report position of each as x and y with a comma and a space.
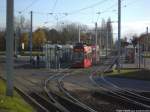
82, 56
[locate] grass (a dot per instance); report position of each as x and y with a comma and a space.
139, 74
34, 53
27, 53
2, 52
147, 55
12, 104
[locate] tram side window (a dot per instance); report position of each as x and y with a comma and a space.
78, 56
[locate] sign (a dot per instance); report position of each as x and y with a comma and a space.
22, 45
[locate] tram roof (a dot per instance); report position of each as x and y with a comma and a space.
57, 45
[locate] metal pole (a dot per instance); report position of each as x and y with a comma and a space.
17, 40
119, 33
50, 54
96, 41
107, 43
31, 36
147, 38
144, 55
139, 56
9, 47
100, 46
55, 57
146, 47
79, 33
19, 33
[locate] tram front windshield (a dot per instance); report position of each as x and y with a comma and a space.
78, 56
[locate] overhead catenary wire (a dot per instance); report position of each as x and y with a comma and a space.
91, 6
98, 16
78, 10
54, 6
109, 9
29, 6
130, 3
62, 15
50, 13
85, 8
52, 10
105, 11
88, 7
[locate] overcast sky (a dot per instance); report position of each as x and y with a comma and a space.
135, 13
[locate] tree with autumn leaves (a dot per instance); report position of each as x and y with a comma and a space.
39, 37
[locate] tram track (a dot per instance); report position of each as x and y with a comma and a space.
76, 101
132, 98
39, 99
69, 99
48, 100
51, 101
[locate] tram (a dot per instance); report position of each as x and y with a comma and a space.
82, 56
